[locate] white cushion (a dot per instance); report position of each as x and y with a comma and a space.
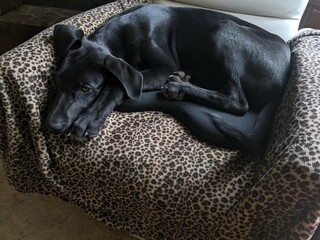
270, 8
286, 27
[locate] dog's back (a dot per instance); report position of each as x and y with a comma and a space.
207, 45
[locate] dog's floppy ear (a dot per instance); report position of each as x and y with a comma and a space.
66, 37
131, 79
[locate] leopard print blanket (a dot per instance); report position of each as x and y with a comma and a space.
146, 174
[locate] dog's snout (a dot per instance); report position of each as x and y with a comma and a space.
55, 123
56, 126
57, 119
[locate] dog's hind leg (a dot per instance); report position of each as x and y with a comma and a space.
256, 140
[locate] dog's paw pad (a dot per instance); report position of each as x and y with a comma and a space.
172, 91
179, 76
174, 78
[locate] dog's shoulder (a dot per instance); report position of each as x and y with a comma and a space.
129, 10
144, 9
140, 19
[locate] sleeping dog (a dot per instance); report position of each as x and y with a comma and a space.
201, 56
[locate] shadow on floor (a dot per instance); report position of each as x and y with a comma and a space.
36, 217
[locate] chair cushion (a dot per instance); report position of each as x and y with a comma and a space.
292, 9
275, 16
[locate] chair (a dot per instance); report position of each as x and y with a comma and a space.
145, 173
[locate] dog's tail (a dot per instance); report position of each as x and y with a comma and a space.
256, 140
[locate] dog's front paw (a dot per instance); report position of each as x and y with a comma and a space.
175, 86
85, 127
173, 90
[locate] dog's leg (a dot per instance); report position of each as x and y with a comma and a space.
158, 65
154, 78
233, 101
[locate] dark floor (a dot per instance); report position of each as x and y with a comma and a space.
24, 22
38, 16
37, 217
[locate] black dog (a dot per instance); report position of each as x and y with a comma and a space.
210, 58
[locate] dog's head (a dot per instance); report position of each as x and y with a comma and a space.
87, 67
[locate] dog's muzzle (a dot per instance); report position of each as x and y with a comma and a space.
56, 126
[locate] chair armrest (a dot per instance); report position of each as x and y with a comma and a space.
297, 120
286, 198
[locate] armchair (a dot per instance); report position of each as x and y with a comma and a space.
146, 174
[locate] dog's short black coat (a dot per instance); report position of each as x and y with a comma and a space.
204, 57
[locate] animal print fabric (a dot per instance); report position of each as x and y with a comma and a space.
146, 174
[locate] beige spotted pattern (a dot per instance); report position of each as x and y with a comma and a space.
146, 174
